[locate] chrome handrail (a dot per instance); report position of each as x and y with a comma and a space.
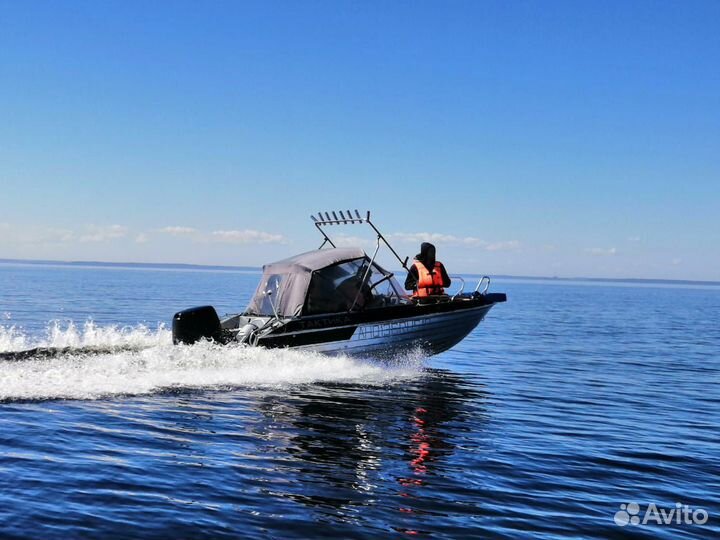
487, 285
462, 286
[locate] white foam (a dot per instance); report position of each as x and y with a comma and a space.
159, 365
13, 338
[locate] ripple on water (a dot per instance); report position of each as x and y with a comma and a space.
565, 403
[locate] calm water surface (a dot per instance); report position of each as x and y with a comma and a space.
566, 402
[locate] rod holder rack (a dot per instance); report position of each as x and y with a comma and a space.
325, 218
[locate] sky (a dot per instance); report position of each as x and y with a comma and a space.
528, 138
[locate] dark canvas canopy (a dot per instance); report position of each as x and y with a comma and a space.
285, 283
313, 260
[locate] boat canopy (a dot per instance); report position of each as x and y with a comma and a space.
320, 281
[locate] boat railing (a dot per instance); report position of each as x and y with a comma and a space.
462, 285
486, 280
484, 283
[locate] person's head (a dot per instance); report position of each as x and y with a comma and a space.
427, 255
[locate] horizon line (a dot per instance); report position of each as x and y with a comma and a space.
47, 262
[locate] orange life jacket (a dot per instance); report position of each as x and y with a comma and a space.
428, 283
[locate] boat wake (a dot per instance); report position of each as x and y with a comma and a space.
94, 362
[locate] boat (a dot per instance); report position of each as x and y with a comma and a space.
339, 300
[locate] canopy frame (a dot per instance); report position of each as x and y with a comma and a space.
322, 221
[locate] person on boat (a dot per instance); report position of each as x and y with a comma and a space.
427, 276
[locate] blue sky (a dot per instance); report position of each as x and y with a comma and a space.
534, 138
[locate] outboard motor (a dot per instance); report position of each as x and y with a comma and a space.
194, 324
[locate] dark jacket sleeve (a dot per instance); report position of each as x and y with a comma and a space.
411, 279
445, 277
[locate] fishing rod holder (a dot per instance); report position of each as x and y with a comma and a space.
342, 220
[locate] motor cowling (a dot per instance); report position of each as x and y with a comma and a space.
194, 324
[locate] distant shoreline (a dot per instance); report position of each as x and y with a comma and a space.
103, 264
187, 266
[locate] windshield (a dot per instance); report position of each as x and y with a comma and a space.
383, 284
267, 294
340, 287
334, 289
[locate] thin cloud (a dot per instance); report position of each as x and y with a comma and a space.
60, 236
453, 240
97, 233
34, 235
601, 252
344, 240
177, 230
49, 235
509, 245
247, 236
14, 235
416, 238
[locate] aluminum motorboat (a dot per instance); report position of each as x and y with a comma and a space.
339, 300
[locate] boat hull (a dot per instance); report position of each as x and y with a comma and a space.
430, 334
429, 330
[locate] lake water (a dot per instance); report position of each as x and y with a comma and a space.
566, 402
